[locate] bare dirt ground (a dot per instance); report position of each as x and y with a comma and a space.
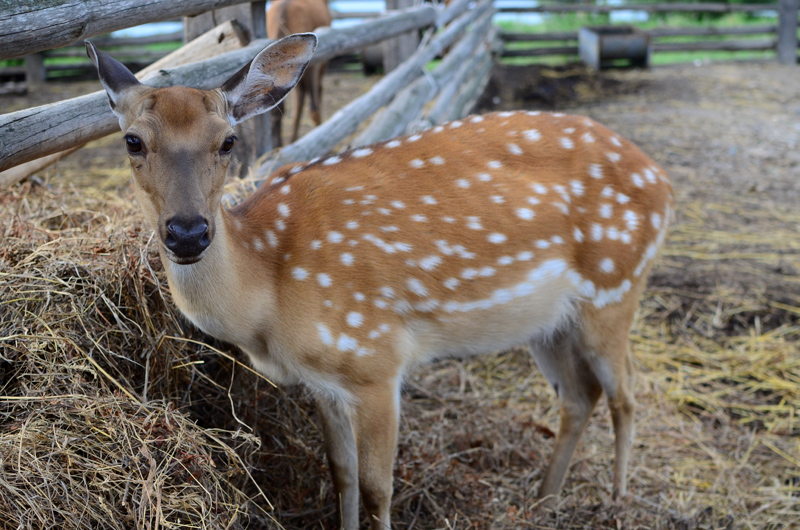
716, 343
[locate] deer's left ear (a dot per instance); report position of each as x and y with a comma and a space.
267, 79
116, 78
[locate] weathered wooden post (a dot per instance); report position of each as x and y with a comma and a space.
787, 31
398, 49
255, 134
35, 74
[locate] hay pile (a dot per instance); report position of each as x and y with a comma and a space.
113, 414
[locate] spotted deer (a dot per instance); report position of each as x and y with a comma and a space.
344, 273
287, 17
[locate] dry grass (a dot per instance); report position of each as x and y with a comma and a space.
112, 416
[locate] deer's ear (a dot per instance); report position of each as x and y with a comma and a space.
268, 78
114, 76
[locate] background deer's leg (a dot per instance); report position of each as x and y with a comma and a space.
277, 118
340, 448
562, 362
315, 91
299, 99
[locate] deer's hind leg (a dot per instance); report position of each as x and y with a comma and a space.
561, 360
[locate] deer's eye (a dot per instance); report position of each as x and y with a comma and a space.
134, 144
227, 145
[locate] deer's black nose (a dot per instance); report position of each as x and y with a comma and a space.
187, 238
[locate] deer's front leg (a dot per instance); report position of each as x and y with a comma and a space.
340, 447
376, 419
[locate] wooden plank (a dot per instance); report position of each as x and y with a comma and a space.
346, 120
29, 27
787, 31
539, 52
538, 37
649, 8
226, 37
400, 48
395, 119
723, 45
32, 133
713, 31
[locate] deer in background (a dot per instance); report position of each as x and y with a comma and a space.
287, 17
346, 272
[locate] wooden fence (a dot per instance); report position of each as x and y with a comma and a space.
780, 37
32, 133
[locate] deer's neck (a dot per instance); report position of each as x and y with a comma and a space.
220, 294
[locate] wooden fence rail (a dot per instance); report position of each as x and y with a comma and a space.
30, 27
781, 37
39, 131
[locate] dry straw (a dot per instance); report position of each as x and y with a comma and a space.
113, 414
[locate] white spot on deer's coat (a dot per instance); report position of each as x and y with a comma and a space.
286, 189
416, 163
525, 255
361, 153
607, 265
331, 161
392, 144
476, 119
419, 218
347, 258
456, 125
427, 199
437, 161
637, 179
497, 238
587, 138
557, 240
448, 219
655, 220
474, 223
606, 211
469, 273
495, 164
614, 157
622, 198
272, 239
615, 141
398, 204
597, 232
429, 263
324, 280
258, 244
525, 213
532, 135
577, 188
299, 273
562, 207
359, 297
335, 237
280, 225
484, 177
498, 199
631, 220
325, 335
514, 149
566, 143
390, 228
355, 319
541, 189
414, 138
578, 235
416, 287
463, 183
607, 192
542, 244
596, 171
505, 260
452, 283
346, 343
